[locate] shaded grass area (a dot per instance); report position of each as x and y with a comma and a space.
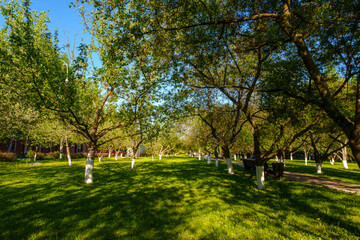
175, 198
336, 171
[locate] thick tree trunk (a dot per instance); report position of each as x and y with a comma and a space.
318, 167
260, 177
209, 158
226, 152
90, 163
68, 151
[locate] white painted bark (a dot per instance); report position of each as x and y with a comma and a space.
132, 163
276, 158
199, 157
69, 160
159, 156
230, 166
100, 159
332, 161
234, 157
318, 168
345, 164
116, 156
89, 169
152, 157
216, 162
344, 157
109, 155
306, 160
291, 156
121, 155
67, 151
209, 158
260, 177
35, 157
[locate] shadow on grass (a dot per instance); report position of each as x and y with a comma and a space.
157, 200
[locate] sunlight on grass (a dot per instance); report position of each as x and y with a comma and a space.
175, 198
336, 171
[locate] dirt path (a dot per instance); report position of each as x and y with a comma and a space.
319, 181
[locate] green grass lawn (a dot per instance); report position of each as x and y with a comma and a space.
336, 171
175, 198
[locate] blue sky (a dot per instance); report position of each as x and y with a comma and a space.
63, 18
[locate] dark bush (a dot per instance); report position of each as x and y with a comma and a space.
7, 157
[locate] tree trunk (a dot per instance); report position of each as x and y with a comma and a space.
228, 159
90, 163
61, 147
306, 156
234, 157
36, 148
216, 157
260, 177
67, 151
344, 156
209, 158
199, 157
133, 158
318, 167
10, 144
152, 158
26, 146
159, 156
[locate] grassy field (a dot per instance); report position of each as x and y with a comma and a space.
175, 198
336, 171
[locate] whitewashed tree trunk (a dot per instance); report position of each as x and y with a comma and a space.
35, 157
234, 157
61, 148
209, 158
109, 155
344, 157
152, 157
132, 162
116, 156
69, 160
99, 159
204, 158
230, 166
306, 158
216, 162
276, 158
89, 167
318, 168
332, 161
291, 156
68, 151
121, 155
159, 156
260, 177
26, 146
199, 157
